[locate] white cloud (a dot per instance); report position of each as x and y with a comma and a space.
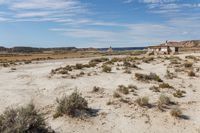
20, 10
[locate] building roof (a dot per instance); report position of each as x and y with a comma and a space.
168, 44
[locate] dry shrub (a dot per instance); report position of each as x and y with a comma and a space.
116, 95
115, 59
164, 100
151, 76
13, 69
132, 87
176, 112
179, 93
79, 66
62, 70
144, 101
191, 74
148, 59
127, 64
128, 71
188, 64
94, 62
154, 89
169, 75
23, 120
123, 89
106, 69
73, 105
191, 57
96, 89
28, 62
165, 85
5, 64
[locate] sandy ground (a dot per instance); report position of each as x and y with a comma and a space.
33, 82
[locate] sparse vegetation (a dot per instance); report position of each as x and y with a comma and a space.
116, 94
143, 101
128, 71
79, 66
154, 89
179, 93
176, 112
132, 87
73, 105
164, 100
191, 74
96, 89
106, 69
165, 85
23, 120
27, 62
188, 64
148, 59
123, 89
94, 62
169, 75
145, 77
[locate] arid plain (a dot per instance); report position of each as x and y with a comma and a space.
127, 94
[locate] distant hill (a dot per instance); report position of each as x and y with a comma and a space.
32, 49
184, 44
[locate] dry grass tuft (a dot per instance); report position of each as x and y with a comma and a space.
73, 105
179, 93
116, 95
165, 85
191, 74
151, 76
23, 120
123, 89
176, 112
106, 69
144, 101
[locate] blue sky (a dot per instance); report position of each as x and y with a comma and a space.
97, 23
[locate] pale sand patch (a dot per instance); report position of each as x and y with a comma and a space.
32, 82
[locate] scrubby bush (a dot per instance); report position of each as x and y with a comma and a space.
123, 89
128, 71
127, 64
191, 57
144, 101
27, 62
5, 64
165, 85
13, 69
179, 93
106, 69
98, 60
148, 59
79, 66
73, 105
116, 95
188, 64
23, 120
169, 75
145, 77
164, 100
154, 89
96, 89
191, 74
176, 112
132, 87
